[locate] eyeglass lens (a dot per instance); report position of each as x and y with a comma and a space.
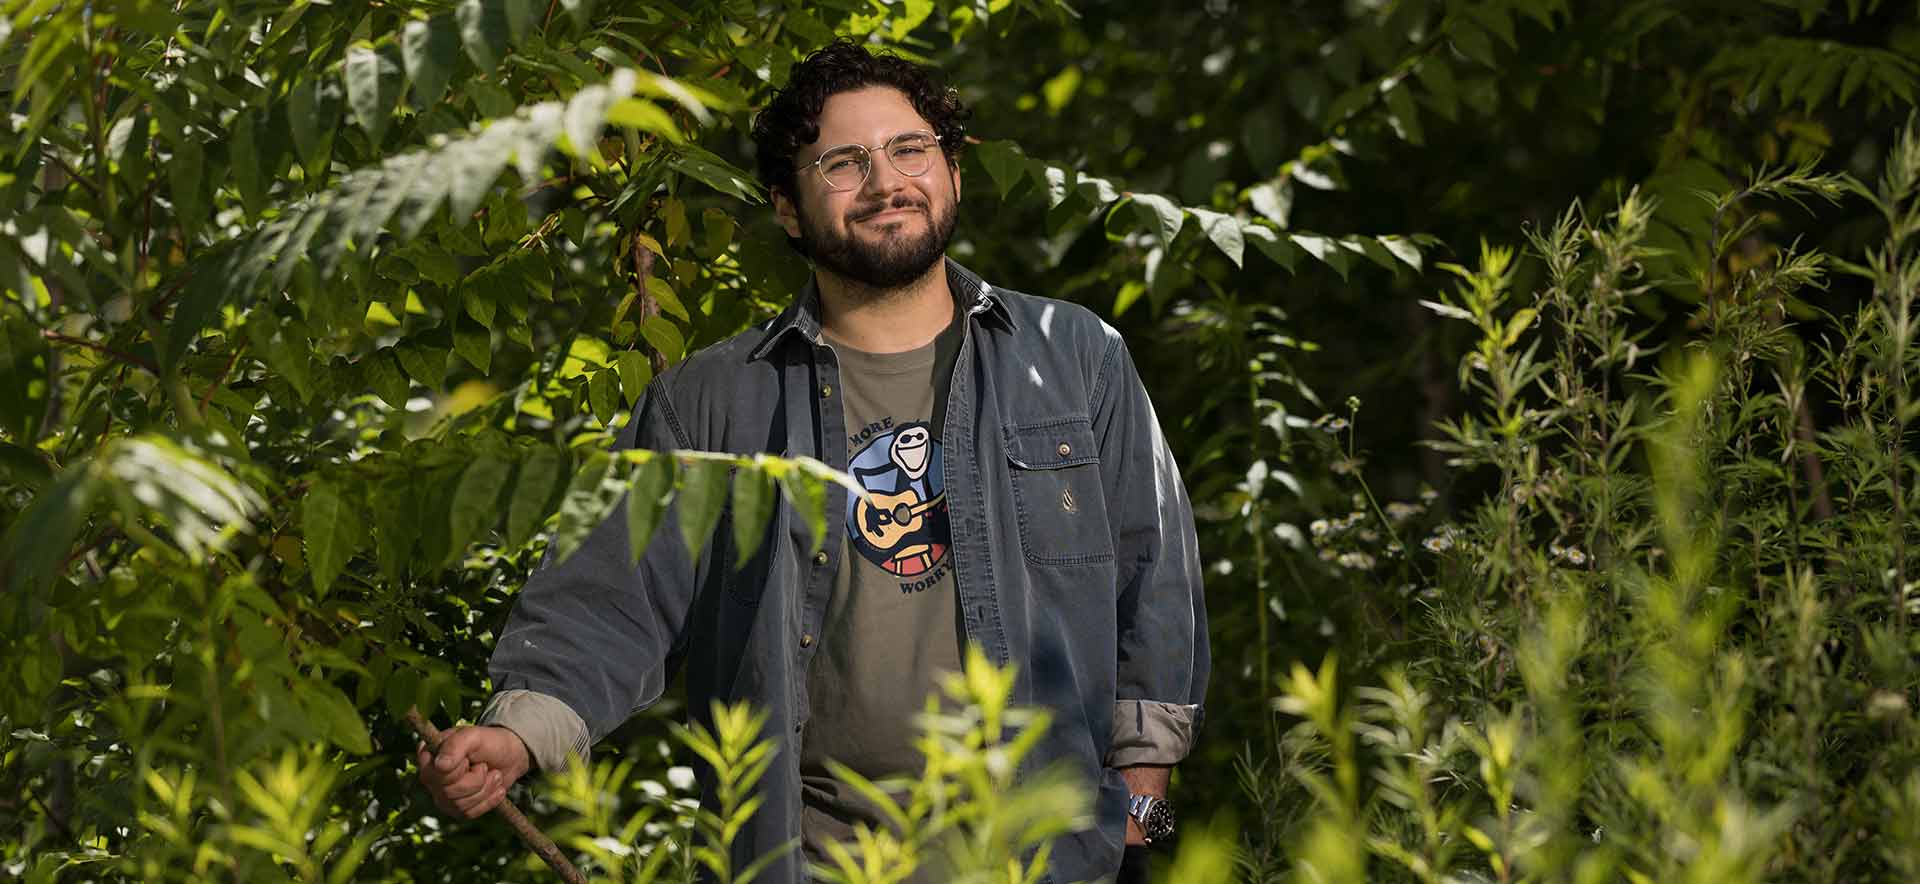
846, 168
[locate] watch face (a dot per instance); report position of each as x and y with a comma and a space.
1159, 822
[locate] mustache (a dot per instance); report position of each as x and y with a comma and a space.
863, 212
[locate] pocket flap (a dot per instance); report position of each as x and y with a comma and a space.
1052, 445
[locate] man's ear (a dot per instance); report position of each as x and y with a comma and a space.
784, 212
953, 170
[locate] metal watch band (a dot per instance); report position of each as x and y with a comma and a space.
1154, 814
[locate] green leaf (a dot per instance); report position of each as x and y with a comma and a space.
1273, 200
374, 82
912, 14
475, 168
184, 179
645, 116
131, 155
333, 533
588, 500
396, 519
313, 113
1160, 216
476, 296
709, 169
476, 500
1324, 249
807, 494
753, 502
649, 491
431, 49
39, 542
427, 365
603, 394
522, 16
1404, 249
1402, 115
1443, 93
635, 372
702, 495
1059, 89
664, 337
1273, 245
673, 216
581, 12
1472, 42
285, 349
662, 294
483, 32
474, 343
719, 228
329, 708
1004, 162
1224, 231
533, 490
383, 374
247, 178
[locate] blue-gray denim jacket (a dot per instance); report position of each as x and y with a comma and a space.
1073, 545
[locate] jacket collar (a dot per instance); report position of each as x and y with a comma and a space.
802, 317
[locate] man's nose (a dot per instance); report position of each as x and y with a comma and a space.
882, 178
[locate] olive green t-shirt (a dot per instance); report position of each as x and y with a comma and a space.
892, 624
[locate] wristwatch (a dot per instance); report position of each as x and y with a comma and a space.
1155, 816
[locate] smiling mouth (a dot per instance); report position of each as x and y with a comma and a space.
892, 214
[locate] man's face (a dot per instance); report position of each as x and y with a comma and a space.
893, 227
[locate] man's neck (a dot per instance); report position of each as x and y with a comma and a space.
885, 320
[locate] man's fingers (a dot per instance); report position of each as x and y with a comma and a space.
456, 747
492, 789
472, 783
464, 775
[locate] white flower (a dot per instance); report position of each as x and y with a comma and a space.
1320, 527
1438, 543
1357, 561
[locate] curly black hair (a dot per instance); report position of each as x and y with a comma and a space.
792, 119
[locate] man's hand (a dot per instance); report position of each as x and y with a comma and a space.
473, 769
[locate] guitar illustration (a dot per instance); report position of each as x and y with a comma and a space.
900, 524
892, 518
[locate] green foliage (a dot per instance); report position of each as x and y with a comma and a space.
1643, 655
317, 321
322, 318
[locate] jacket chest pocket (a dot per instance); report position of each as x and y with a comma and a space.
1057, 492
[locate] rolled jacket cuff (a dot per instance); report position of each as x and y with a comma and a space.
549, 727
1149, 732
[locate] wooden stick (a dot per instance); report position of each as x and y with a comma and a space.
536, 840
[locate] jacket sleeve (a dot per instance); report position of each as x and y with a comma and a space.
1162, 652
590, 634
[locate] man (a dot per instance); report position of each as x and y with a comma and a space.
1021, 497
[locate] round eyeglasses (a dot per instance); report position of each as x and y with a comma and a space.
847, 166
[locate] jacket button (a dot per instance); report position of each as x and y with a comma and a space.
806, 640
820, 558
1065, 449
826, 391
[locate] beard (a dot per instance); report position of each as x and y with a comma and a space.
896, 260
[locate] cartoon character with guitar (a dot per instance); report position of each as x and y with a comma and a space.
903, 526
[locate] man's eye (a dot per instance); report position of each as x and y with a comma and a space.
909, 150
842, 164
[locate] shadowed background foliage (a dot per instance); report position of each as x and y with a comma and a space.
317, 317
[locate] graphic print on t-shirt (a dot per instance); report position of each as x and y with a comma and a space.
903, 528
